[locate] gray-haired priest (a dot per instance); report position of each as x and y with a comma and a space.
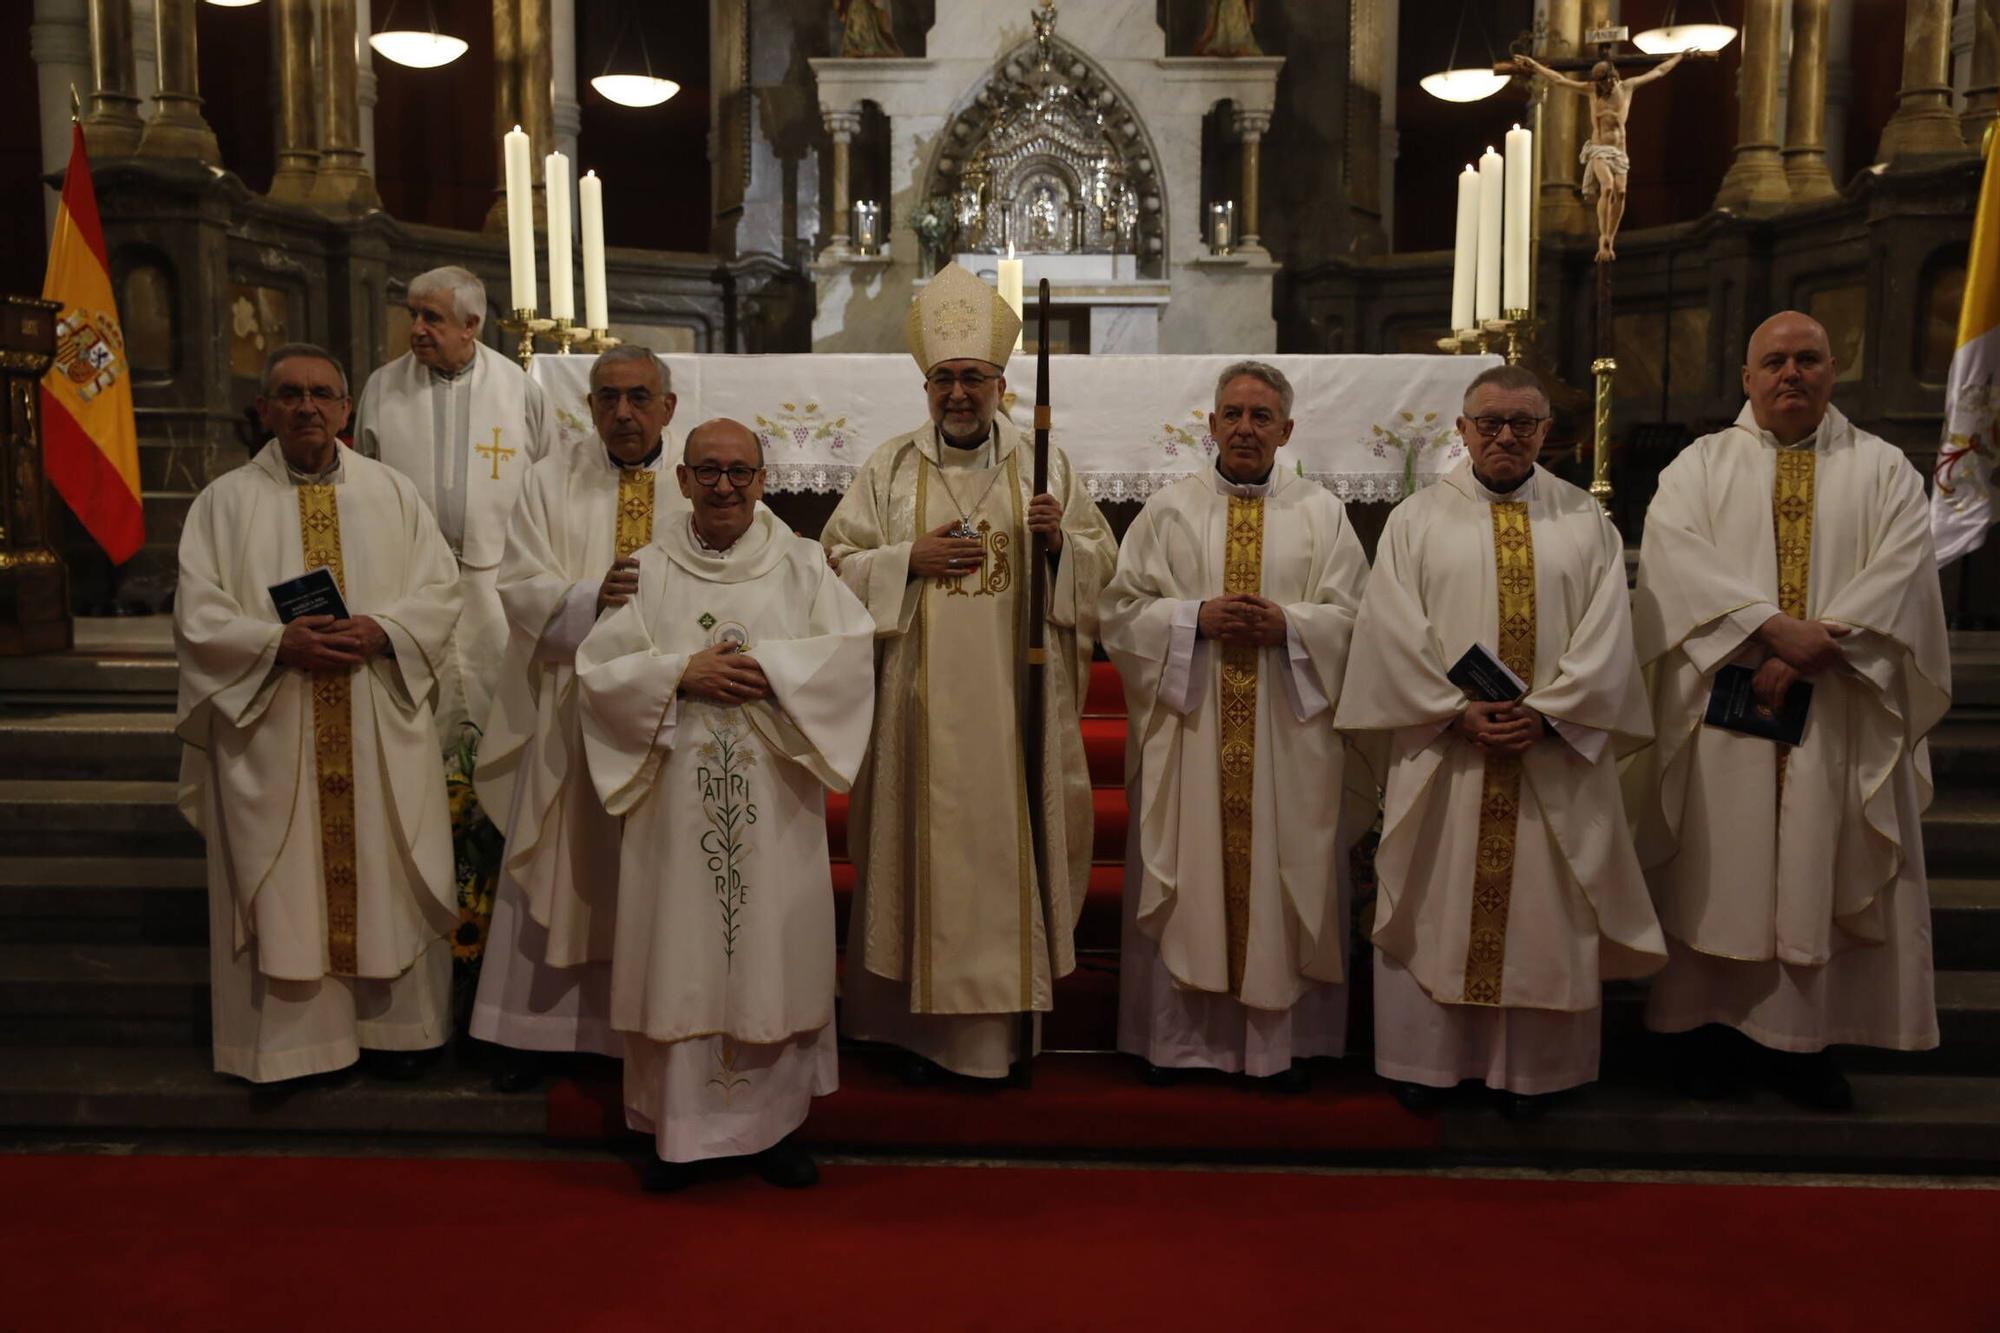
463, 423
1494, 650
316, 602
545, 978
1229, 620
719, 703
955, 931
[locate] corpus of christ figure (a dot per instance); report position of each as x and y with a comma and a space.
1605, 164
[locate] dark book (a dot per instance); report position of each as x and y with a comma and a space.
313, 593
1733, 706
1485, 677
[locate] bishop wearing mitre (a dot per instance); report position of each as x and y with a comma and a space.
719, 703
545, 976
956, 931
310, 752
464, 424
1507, 886
1229, 620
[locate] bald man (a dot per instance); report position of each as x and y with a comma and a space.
1789, 878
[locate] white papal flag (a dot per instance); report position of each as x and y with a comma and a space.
1962, 501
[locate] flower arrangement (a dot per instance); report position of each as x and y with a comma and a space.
476, 848
932, 221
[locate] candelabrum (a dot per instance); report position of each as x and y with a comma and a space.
1465, 342
524, 323
597, 341
1603, 369
565, 332
1516, 328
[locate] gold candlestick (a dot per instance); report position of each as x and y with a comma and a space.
1515, 327
597, 341
564, 332
1602, 369
524, 323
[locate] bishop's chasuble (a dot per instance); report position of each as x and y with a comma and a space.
1508, 889
1790, 880
330, 884
465, 441
722, 974
545, 978
954, 929
1235, 941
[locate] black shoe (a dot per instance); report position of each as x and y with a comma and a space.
1523, 1106
1810, 1079
1157, 1076
519, 1071
1707, 1063
1419, 1098
788, 1166
918, 1072
1294, 1080
399, 1066
660, 1177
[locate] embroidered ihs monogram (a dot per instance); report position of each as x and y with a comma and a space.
996, 572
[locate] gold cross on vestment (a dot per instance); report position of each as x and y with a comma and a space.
495, 452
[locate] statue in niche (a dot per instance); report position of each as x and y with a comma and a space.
1228, 32
1043, 219
866, 28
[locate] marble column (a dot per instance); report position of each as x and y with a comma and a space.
145, 57
1390, 145
842, 126
343, 184
1561, 206
177, 128
1755, 182
367, 89
59, 42
1924, 129
523, 94
1250, 127
732, 145
1805, 107
567, 109
1839, 85
298, 124
111, 123
506, 101
1982, 91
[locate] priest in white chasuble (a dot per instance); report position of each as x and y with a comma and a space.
545, 977
310, 757
1508, 890
719, 704
955, 930
1229, 619
463, 423
1790, 878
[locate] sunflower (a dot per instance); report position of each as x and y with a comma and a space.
468, 941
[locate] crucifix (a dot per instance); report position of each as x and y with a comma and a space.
495, 452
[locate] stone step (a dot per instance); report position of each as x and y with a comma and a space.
103, 900
88, 680
1965, 751
1975, 670
93, 743
103, 995
1962, 834
93, 817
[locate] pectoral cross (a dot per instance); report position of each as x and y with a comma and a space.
495, 452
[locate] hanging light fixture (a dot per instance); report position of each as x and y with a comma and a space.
232, 4
1457, 83
408, 46
646, 89
1670, 37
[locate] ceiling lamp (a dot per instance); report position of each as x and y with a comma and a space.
647, 89
1671, 38
1463, 84
417, 49
231, 4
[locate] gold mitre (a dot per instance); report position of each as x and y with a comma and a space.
957, 315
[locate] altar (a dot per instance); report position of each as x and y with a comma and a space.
1370, 428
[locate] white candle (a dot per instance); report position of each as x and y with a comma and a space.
1465, 253
520, 220
1518, 225
590, 208
562, 274
1486, 294
1009, 283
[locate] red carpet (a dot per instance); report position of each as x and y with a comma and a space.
169, 1243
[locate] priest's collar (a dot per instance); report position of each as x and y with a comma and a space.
1829, 424
701, 542
444, 376
1523, 491
990, 436
1245, 490
647, 464
326, 476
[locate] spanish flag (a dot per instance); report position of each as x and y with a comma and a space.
1962, 496
90, 444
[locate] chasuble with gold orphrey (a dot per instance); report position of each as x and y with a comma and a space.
1506, 882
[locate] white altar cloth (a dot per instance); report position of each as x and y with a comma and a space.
1368, 426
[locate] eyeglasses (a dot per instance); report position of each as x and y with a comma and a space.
972, 381
1523, 427
740, 474
291, 395
607, 399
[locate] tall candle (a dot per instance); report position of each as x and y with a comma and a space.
1486, 294
1518, 224
1465, 253
520, 220
1009, 283
590, 208
562, 275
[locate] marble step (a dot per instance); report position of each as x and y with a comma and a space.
93, 817
1965, 923
1965, 751
104, 900
1962, 834
1975, 670
91, 743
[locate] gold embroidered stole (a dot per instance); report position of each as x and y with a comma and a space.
1500, 797
1791, 526
635, 509
333, 743
1242, 572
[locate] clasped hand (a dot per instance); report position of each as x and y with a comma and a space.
1798, 648
320, 644
1241, 617
620, 585
725, 675
1500, 728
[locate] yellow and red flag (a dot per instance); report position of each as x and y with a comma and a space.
90, 442
1962, 500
